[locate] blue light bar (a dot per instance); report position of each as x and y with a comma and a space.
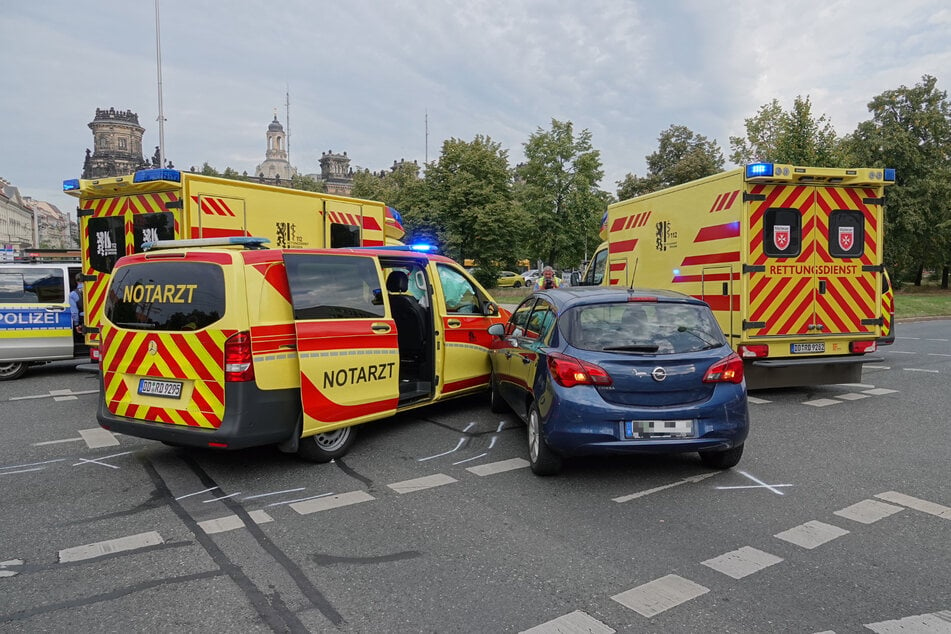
890, 174
754, 170
71, 185
425, 248
145, 176
249, 241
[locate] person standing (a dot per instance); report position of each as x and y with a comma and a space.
547, 280
76, 305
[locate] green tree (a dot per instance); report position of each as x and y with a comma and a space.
681, 156
910, 130
469, 198
401, 188
796, 137
306, 183
558, 190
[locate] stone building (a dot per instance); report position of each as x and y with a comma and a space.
117, 143
276, 166
336, 173
16, 219
53, 227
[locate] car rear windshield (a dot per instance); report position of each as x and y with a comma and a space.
642, 328
166, 296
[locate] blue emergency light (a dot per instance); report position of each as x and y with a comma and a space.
145, 176
71, 185
754, 170
890, 174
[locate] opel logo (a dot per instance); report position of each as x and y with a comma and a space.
153, 348
659, 374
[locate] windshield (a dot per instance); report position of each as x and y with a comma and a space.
642, 328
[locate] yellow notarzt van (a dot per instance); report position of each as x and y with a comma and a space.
35, 319
238, 346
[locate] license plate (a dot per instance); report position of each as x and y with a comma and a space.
168, 389
807, 348
658, 429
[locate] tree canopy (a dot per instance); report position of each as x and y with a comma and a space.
682, 156
797, 137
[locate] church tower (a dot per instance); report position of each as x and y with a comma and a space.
276, 166
117, 139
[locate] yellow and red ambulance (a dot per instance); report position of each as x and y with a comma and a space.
221, 343
788, 257
118, 214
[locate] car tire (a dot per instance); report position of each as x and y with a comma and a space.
722, 459
543, 460
327, 446
12, 370
497, 404
517, 284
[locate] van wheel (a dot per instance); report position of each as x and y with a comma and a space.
326, 446
542, 459
14, 370
497, 404
721, 459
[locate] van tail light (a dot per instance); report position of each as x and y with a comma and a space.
568, 371
239, 365
728, 370
753, 351
861, 347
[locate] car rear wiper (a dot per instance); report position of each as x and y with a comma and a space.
637, 347
699, 335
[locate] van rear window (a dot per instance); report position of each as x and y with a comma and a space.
32, 285
166, 296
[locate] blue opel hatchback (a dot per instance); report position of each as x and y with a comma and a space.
596, 370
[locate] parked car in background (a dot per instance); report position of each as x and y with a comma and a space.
530, 276
510, 278
598, 370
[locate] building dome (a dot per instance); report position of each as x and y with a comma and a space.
275, 126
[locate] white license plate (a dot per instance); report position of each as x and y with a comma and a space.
808, 348
168, 389
658, 429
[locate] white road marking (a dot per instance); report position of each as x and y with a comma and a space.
917, 504
99, 549
868, 511
877, 367
935, 339
851, 396
188, 495
822, 402
920, 370
419, 484
902, 352
576, 622
5, 567
59, 395
756, 401
640, 494
498, 467
264, 495
879, 391
98, 437
659, 595
938, 354
742, 562
445, 453
63, 395
326, 503
101, 464
934, 623
56, 442
811, 534
232, 522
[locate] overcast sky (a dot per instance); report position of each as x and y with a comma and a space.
363, 75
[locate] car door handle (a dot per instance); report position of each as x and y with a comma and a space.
378, 327
454, 323
508, 355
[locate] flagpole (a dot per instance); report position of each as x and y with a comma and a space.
158, 65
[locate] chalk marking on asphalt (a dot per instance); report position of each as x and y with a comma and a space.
445, 453
97, 437
501, 466
331, 502
232, 522
56, 442
223, 497
811, 534
935, 339
188, 495
101, 464
99, 549
938, 354
921, 370
763, 484
33, 464
742, 562
501, 425
902, 352
420, 484
492, 442
640, 494
868, 511
22, 471
312, 497
877, 367
934, 623
751, 486
576, 622
855, 385
468, 427
917, 504
481, 455
659, 595
54, 393
264, 495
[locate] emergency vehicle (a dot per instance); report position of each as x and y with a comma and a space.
118, 214
231, 346
788, 257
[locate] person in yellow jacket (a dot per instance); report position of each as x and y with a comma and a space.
547, 280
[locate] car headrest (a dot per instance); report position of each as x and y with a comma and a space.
397, 282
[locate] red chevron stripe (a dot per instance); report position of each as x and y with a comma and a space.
712, 258
718, 232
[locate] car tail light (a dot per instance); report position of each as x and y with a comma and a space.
728, 370
861, 347
568, 371
752, 352
239, 365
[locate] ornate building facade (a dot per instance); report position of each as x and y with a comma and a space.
117, 143
276, 166
336, 174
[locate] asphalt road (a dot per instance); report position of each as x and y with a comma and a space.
838, 519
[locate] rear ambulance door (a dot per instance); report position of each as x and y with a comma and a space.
112, 227
347, 344
465, 343
811, 256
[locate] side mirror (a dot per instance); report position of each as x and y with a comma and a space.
490, 309
496, 330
